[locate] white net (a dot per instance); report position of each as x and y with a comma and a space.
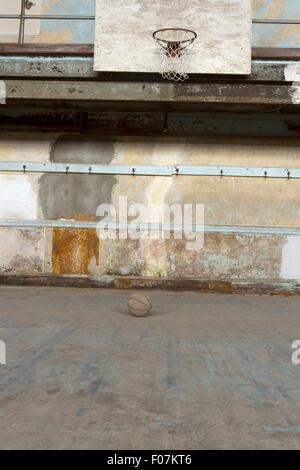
175, 47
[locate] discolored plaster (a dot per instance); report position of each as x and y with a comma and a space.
62, 36
63, 195
121, 257
228, 201
28, 147
229, 256
241, 201
18, 196
48, 237
83, 148
223, 257
22, 251
275, 35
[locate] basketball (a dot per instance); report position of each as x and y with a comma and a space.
139, 305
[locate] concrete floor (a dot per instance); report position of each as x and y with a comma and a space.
203, 372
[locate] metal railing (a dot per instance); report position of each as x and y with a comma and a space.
23, 16
26, 5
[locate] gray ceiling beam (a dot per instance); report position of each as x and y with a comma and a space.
82, 67
133, 92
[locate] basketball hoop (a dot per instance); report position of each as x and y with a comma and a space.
173, 44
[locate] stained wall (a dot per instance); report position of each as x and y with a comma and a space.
244, 202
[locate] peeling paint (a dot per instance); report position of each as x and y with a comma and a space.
22, 251
276, 35
227, 257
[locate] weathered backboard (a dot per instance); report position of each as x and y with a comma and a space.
124, 43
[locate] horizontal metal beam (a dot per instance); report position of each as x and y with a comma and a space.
264, 121
79, 50
88, 169
92, 17
147, 170
225, 229
82, 67
48, 17
238, 171
282, 22
133, 92
58, 49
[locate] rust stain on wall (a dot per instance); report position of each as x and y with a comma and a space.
73, 249
221, 286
